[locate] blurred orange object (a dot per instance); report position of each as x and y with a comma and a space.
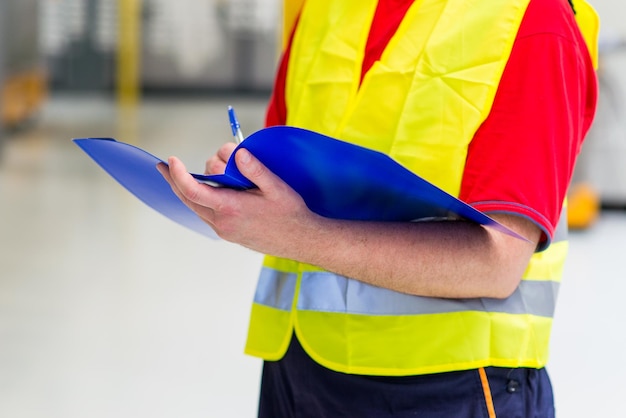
583, 206
22, 95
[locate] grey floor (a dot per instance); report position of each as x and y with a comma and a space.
107, 309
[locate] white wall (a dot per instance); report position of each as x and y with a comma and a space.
612, 14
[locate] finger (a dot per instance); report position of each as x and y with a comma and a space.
164, 170
256, 172
186, 187
214, 165
217, 163
205, 213
226, 151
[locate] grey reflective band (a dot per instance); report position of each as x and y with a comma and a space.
321, 291
275, 289
327, 292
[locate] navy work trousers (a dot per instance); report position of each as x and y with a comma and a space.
296, 386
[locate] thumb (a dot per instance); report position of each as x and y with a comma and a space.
254, 170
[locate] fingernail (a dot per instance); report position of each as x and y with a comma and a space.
244, 156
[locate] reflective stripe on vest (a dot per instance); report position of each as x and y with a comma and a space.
328, 292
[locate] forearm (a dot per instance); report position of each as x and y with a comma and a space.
452, 259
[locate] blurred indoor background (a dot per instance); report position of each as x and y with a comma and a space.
108, 309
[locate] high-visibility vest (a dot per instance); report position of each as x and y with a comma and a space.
421, 103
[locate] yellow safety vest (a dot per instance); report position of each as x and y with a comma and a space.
421, 103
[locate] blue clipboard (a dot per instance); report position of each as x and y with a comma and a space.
336, 179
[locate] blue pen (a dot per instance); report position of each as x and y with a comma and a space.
234, 124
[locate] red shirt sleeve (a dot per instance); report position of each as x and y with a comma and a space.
522, 157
